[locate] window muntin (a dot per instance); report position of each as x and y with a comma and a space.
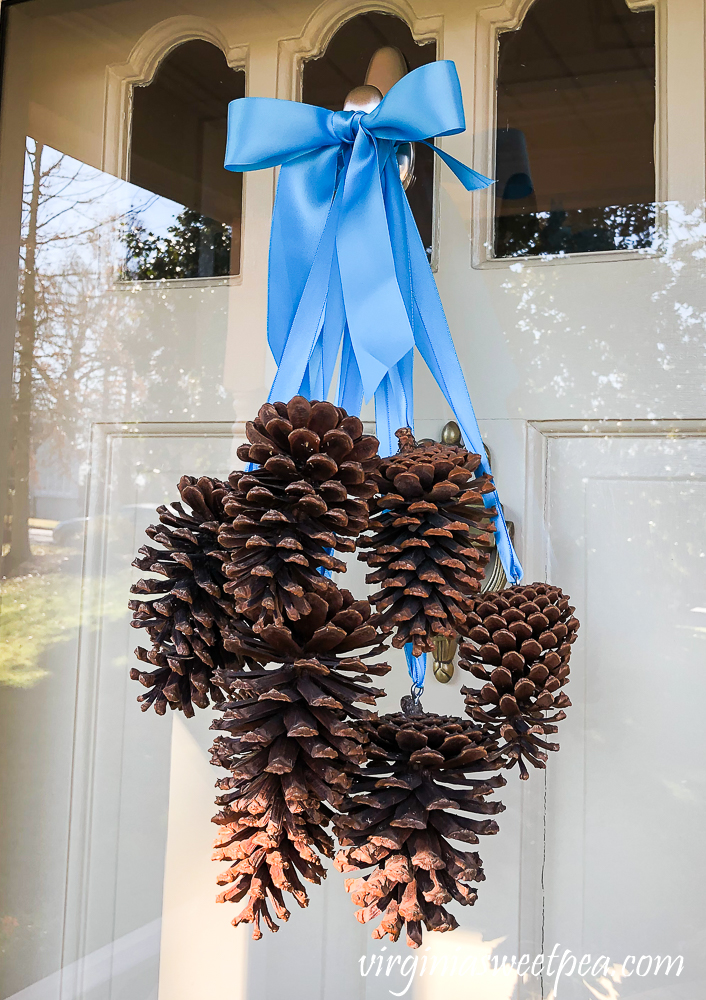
177, 146
575, 118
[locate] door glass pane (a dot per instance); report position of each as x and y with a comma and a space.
327, 80
575, 120
177, 145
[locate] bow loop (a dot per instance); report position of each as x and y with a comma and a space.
265, 132
426, 102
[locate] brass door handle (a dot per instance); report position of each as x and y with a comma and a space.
495, 579
444, 652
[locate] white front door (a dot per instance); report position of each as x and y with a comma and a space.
138, 334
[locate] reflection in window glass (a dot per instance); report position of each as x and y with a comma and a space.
575, 141
85, 351
178, 137
96, 360
326, 82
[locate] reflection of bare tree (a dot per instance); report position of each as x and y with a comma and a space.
89, 347
20, 551
53, 324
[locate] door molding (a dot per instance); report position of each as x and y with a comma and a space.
540, 484
539, 434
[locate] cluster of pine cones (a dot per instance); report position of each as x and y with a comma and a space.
244, 612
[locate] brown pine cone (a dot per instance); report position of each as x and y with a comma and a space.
308, 498
431, 541
520, 643
183, 621
403, 811
292, 747
270, 847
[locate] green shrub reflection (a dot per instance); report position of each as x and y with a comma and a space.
194, 247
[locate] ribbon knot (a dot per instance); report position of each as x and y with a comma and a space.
346, 124
348, 273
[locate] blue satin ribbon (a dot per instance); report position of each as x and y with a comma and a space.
348, 273
417, 668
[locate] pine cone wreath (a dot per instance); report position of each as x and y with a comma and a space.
430, 541
308, 498
520, 643
183, 620
403, 811
295, 743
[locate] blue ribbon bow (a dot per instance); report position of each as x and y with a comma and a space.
348, 272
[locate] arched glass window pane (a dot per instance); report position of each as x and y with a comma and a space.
575, 142
178, 137
327, 80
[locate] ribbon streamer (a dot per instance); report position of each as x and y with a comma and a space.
348, 272
417, 668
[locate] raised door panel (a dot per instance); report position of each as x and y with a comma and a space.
626, 798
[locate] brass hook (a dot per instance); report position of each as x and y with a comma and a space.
444, 652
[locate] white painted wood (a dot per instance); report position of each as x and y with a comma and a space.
325, 21
194, 930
